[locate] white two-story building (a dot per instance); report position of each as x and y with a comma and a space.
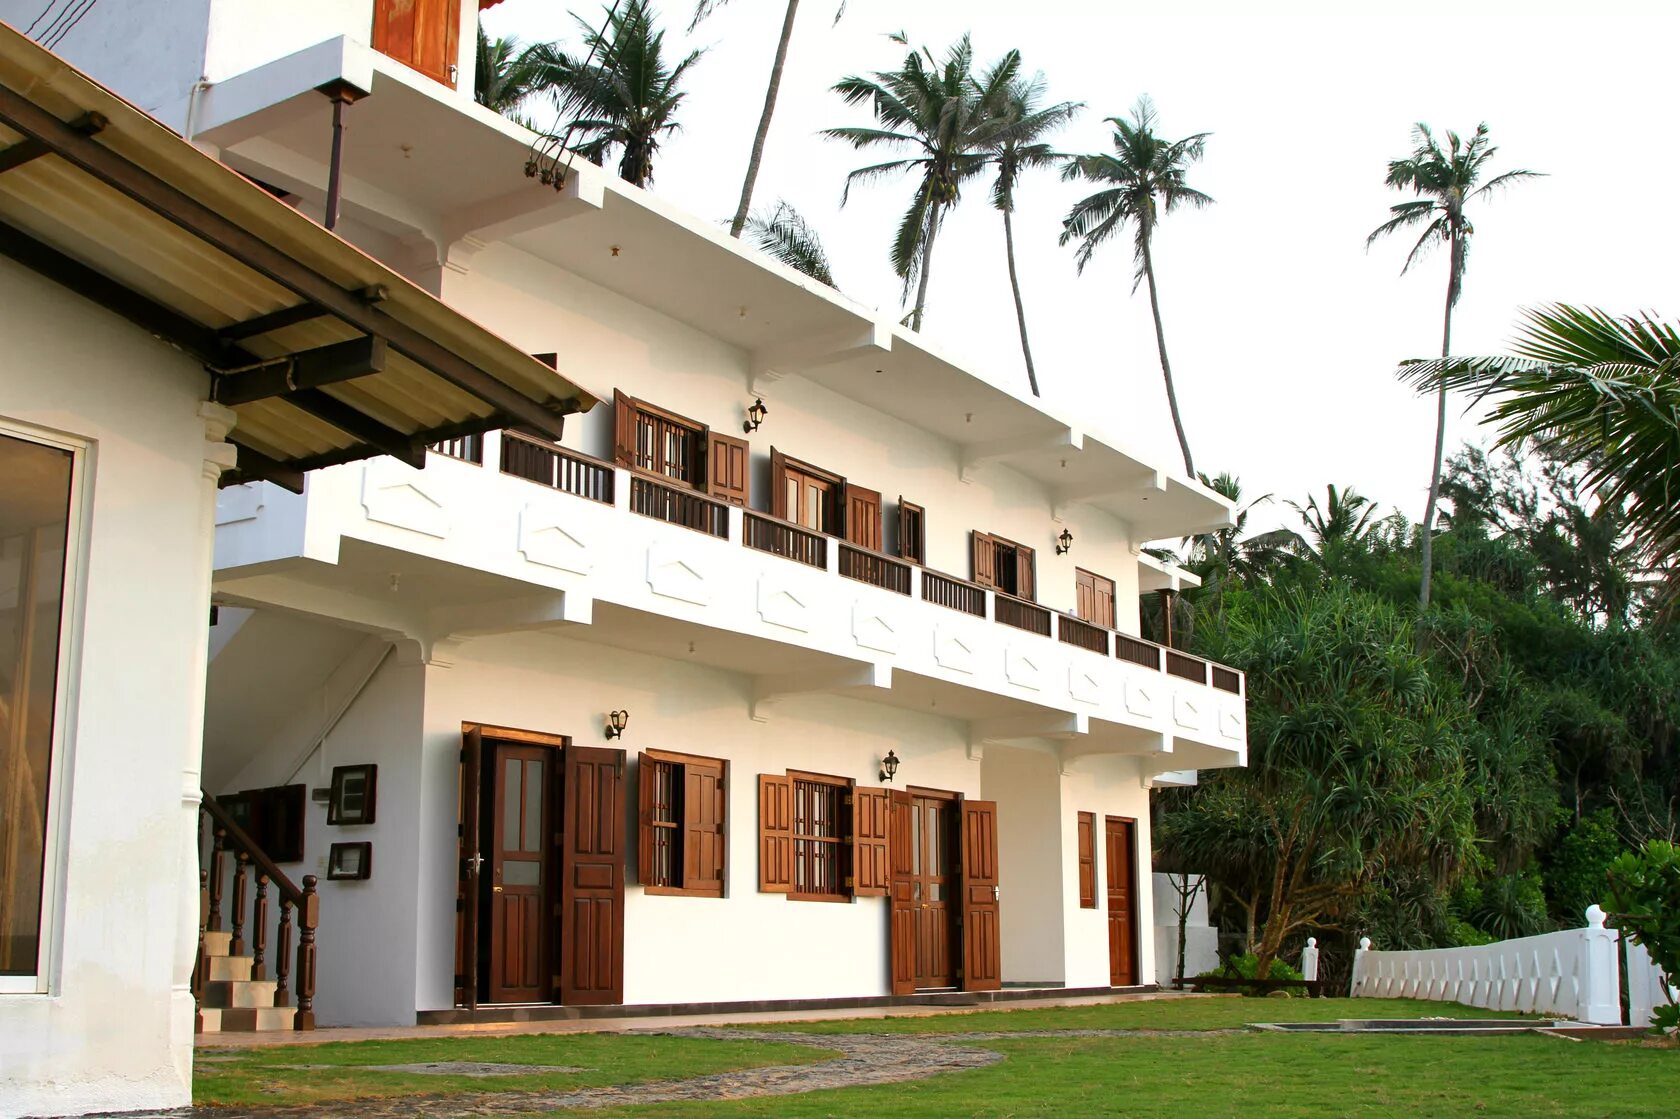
803, 666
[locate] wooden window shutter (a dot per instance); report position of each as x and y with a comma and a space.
727, 459
985, 559
775, 834
778, 485
1026, 573
624, 429
703, 832
863, 517
871, 828
1087, 860
912, 531
646, 772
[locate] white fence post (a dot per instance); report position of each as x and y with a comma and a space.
1601, 972
1309, 959
1357, 986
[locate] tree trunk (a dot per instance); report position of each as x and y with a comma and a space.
1020, 310
1186, 900
927, 267
1428, 557
757, 157
1161, 347
1271, 941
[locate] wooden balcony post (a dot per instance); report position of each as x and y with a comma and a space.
309, 913
241, 860
218, 858
259, 929
1166, 596
283, 954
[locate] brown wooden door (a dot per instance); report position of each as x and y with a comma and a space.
901, 921
467, 873
591, 928
810, 500
1094, 601
933, 877
863, 517
982, 946
1122, 901
519, 852
727, 468
424, 34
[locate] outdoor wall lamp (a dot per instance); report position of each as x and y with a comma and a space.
1064, 543
889, 767
755, 416
616, 723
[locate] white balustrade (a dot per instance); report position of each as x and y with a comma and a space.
1646, 986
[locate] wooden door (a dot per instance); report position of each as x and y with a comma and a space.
863, 517
467, 872
933, 880
982, 947
1122, 901
901, 921
424, 34
519, 847
809, 500
727, 468
1094, 601
591, 928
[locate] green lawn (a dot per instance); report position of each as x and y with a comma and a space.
287, 1075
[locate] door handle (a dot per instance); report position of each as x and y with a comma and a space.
475, 862
495, 889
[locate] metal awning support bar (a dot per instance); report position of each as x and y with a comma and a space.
307, 369
66, 141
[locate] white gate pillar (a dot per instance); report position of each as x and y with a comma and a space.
1601, 1002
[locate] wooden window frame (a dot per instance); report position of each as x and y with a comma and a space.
906, 510
679, 824
628, 454
1087, 862
1022, 552
842, 841
1113, 598
780, 464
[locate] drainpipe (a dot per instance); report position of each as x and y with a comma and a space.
198, 87
340, 93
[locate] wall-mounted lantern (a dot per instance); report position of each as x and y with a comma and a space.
616, 722
889, 767
1064, 543
755, 416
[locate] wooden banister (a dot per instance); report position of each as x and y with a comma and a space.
241, 842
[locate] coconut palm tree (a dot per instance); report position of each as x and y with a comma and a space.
936, 112
1226, 555
1344, 520
506, 75
1019, 146
1144, 179
1598, 389
1445, 182
789, 238
624, 93
704, 8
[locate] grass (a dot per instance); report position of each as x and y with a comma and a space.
1215, 1013
305, 1074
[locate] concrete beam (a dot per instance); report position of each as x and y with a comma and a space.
1047, 724
769, 364
973, 455
862, 677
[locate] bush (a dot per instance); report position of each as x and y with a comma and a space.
1644, 896
1576, 867
1462, 934
1243, 967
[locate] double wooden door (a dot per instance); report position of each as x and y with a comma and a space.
943, 909
422, 33
1120, 848
540, 890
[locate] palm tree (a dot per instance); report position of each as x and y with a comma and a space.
1225, 555
1344, 520
1598, 389
506, 76
945, 119
1145, 180
1019, 147
1445, 182
704, 8
789, 238
625, 96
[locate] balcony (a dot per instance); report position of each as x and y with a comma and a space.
649, 564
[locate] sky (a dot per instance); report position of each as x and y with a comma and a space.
1283, 330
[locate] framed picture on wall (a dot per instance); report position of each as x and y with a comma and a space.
349, 862
352, 799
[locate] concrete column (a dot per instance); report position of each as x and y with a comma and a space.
1309, 959
1601, 974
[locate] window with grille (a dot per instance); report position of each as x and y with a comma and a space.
820, 835
682, 809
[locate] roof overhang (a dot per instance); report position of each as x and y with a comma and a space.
324, 354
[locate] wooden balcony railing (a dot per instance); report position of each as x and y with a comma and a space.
1021, 614
548, 465
1082, 634
942, 590
1187, 667
875, 569
1227, 680
467, 448
779, 538
1137, 651
251, 864
679, 507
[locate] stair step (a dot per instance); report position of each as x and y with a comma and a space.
230, 967
247, 1019
218, 943
242, 994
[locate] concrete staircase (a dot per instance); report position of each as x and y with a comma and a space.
232, 1001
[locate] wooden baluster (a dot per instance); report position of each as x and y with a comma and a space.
237, 948
283, 953
218, 861
201, 963
259, 928
309, 913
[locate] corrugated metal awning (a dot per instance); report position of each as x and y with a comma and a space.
325, 354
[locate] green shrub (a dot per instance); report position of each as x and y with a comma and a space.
1243, 967
1462, 934
1644, 897
1575, 869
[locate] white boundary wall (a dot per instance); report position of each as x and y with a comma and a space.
1645, 986
1573, 974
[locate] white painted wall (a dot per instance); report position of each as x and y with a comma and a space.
1106, 786
1201, 938
114, 1028
1033, 892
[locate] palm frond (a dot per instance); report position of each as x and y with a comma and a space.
790, 239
